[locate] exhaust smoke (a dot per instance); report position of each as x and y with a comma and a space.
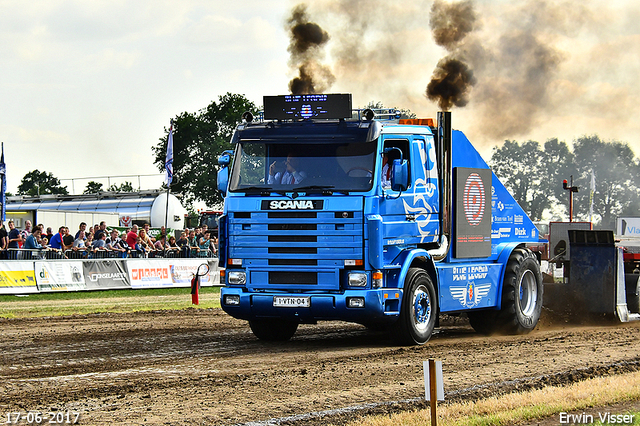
452, 79
305, 47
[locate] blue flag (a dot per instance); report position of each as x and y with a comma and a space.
3, 190
168, 163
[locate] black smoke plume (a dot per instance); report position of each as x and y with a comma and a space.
305, 47
450, 83
452, 79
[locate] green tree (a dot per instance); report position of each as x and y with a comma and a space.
93, 188
556, 165
125, 187
519, 167
616, 173
38, 183
198, 139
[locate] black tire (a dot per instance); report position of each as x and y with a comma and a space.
521, 293
633, 293
483, 322
273, 330
419, 309
521, 298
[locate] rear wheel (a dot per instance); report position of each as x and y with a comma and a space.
521, 293
633, 292
419, 309
521, 298
483, 321
273, 329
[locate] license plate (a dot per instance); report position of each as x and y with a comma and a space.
291, 302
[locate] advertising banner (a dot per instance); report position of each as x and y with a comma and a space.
149, 273
183, 270
106, 274
473, 212
22, 277
60, 276
628, 226
154, 273
17, 277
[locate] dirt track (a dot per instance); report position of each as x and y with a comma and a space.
203, 367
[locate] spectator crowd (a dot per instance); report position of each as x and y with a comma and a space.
101, 242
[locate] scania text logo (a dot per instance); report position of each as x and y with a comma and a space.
291, 205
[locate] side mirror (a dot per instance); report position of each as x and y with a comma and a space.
400, 175
223, 180
224, 159
223, 174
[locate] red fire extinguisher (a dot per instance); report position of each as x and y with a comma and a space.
202, 270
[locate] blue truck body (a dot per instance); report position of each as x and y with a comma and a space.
341, 244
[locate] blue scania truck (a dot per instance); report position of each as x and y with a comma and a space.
335, 214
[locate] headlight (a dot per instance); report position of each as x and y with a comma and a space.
237, 277
231, 299
357, 279
355, 302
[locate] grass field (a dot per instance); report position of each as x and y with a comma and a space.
529, 407
86, 302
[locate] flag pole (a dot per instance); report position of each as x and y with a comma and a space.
168, 166
3, 186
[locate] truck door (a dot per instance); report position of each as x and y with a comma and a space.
411, 217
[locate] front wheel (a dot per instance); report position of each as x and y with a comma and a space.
419, 309
273, 329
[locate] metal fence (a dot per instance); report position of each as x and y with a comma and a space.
53, 254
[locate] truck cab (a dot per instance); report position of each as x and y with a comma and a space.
331, 215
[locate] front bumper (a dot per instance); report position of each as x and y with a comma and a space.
380, 305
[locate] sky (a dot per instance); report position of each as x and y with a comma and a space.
88, 87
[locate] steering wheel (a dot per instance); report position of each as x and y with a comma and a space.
360, 168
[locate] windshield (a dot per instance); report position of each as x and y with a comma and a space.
288, 167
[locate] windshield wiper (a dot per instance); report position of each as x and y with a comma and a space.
261, 189
326, 189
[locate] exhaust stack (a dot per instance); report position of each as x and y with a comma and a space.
444, 176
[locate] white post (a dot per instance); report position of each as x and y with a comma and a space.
433, 386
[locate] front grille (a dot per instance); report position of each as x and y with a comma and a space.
293, 238
293, 250
289, 248
293, 262
292, 227
292, 215
307, 278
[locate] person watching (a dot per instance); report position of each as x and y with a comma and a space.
161, 243
4, 241
82, 227
132, 235
14, 237
78, 243
27, 230
56, 241
31, 243
67, 239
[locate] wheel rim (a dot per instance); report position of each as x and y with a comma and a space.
421, 308
528, 290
